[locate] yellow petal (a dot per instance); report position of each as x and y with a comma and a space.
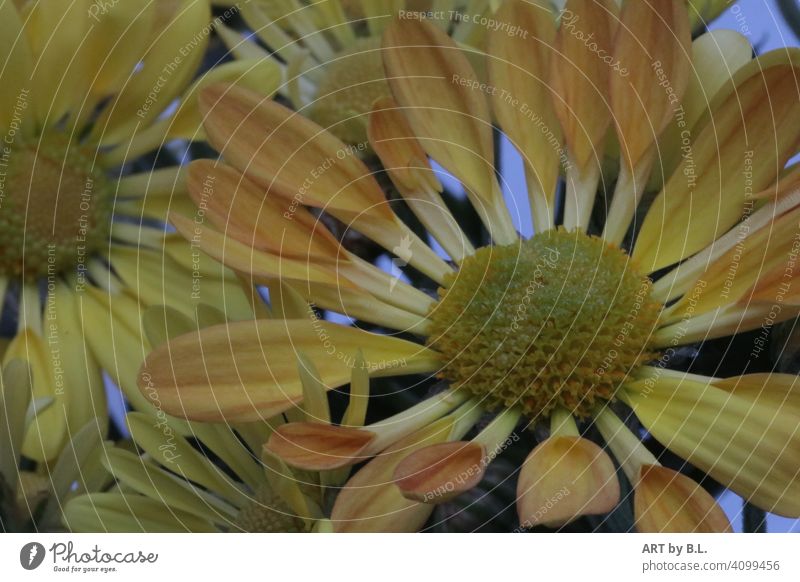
448, 112
665, 501
56, 36
744, 432
117, 39
519, 67
760, 260
17, 66
292, 157
129, 513
440, 472
155, 437
248, 370
242, 258
75, 366
112, 326
179, 38
157, 279
706, 194
149, 479
564, 478
47, 432
716, 55
261, 74
15, 396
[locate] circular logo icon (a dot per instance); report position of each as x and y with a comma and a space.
31, 555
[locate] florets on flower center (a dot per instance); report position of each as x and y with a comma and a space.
267, 513
55, 208
560, 319
352, 83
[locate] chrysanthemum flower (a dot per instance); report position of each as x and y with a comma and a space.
209, 477
87, 88
330, 51
563, 330
32, 496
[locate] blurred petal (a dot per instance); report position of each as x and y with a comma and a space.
248, 370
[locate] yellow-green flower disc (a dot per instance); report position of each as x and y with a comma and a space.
560, 319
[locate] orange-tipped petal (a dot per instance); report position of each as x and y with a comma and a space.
283, 151
580, 76
398, 148
430, 75
564, 478
666, 501
372, 502
247, 213
261, 266
441, 472
653, 43
247, 371
319, 447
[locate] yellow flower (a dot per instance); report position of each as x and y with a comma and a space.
177, 486
565, 328
330, 51
32, 497
86, 90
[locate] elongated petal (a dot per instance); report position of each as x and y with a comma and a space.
15, 396
666, 501
129, 513
248, 370
749, 264
653, 44
744, 432
262, 266
441, 472
244, 211
17, 66
706, 194
519, 67
580, 71
48, 431
289, 155
432, 78
179, 39
564, 478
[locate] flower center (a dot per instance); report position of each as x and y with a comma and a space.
266, 513
560, 319
352, 83
55, 207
